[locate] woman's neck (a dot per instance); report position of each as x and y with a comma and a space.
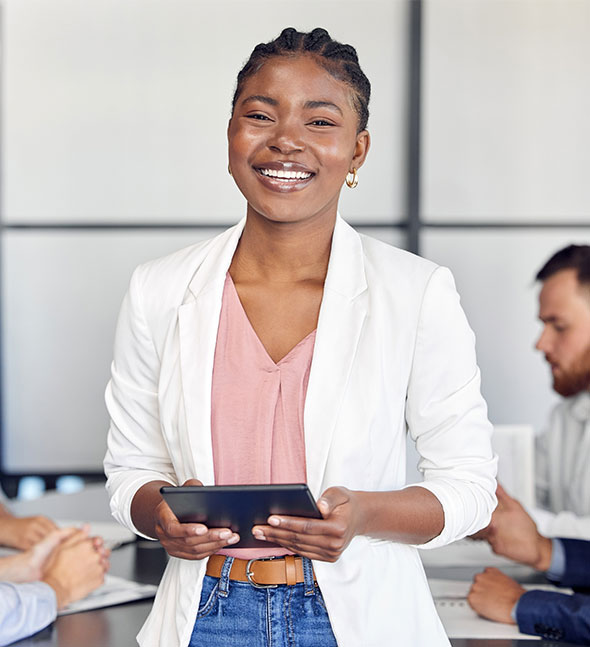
283, 252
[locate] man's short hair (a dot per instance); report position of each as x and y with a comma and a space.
572, 257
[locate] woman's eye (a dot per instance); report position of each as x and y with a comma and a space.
321, 122
258, 116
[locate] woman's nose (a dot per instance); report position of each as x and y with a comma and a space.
286, 139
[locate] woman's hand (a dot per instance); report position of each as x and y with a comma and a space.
189, 540
323, 539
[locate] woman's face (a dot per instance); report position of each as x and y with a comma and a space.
292, 140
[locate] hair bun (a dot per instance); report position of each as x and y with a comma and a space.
316, 39
288, 38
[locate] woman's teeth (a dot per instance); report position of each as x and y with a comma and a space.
285, 175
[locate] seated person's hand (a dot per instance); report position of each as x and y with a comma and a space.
24, 532
483, 534
512, 533
28, 565
493, 595
76, 567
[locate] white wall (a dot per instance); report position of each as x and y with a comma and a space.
116, 110
507, 99
113, 112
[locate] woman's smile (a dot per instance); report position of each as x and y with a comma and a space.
284, 176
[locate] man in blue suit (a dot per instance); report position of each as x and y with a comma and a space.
566, 562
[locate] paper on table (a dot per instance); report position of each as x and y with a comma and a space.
115, 590
460, 621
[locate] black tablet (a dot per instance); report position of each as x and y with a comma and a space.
240, 507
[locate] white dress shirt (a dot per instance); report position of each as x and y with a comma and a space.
562, 456
25, 609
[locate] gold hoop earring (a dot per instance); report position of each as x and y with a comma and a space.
351, 183
229, 169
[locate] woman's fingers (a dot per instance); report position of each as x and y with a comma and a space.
326, 546
222, 537
206, 547
301, 530
323, 539
195, 541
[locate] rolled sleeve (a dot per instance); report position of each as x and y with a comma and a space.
447, 415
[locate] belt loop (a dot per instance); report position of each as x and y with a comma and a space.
290, 570
223, 589
308, 576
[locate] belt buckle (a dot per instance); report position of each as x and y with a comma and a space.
250, 574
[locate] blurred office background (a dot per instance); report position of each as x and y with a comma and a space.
113, 117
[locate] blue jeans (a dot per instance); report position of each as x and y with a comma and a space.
237, 614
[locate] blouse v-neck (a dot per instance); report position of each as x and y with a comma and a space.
257, 407
239, 306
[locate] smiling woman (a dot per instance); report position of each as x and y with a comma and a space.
294, 127
291, 349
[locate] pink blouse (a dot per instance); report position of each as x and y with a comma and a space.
256, 408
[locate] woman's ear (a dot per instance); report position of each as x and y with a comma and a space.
361, 148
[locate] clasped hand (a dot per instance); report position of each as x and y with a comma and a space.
322, 539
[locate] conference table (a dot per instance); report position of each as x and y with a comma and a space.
144, 561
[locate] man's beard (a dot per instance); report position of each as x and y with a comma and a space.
576, 379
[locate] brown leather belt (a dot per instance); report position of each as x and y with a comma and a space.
260, 572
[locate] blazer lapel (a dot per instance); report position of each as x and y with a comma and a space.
198, 320
342, 315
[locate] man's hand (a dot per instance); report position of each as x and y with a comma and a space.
24, 532
493, 595
513, 534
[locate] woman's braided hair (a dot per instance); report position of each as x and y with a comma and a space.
339, 60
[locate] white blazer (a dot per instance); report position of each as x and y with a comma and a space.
393, 354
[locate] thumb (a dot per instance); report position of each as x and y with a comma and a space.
331, 499
192, 482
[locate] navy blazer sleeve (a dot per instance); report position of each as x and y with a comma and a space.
558, 616
555, 616
577, 565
